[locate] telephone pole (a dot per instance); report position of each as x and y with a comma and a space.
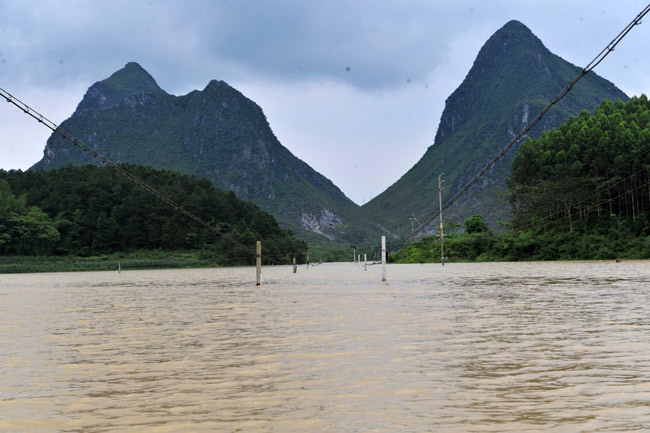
442, 250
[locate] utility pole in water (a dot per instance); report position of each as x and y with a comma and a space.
442, 250
383, 259
258, 262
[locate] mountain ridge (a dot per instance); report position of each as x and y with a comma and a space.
132, 79
512, 78
216, 133
220, 134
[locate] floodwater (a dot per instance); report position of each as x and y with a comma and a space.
508, 347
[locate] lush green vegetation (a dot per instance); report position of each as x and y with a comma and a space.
621, 242
92, 211
591, 172
581, 191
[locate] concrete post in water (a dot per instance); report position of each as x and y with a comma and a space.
442, 250
258, 262
365, 260
383, 259
295, 268
354, 255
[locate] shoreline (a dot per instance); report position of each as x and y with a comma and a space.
186, 260
115, 262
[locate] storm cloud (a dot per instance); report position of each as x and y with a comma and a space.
354, 88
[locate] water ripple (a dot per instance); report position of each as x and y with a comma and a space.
513, 347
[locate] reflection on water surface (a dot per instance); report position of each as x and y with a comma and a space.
462, 348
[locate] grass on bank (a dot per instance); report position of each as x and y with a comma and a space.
112, 262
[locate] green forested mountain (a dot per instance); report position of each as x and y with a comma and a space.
581, 191
90, 210
513, 77
216, 133
219, 134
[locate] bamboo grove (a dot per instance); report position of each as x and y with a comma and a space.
593, 171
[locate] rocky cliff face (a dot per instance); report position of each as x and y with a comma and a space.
216, 133
513, 77
324, 223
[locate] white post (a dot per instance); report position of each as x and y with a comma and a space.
365, 259
258, 262
295, 268
354, 255
442, 250
383, 259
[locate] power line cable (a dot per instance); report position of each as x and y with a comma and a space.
595, 62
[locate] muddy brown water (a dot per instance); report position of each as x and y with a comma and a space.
507, 347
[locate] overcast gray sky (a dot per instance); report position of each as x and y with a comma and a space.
355, 88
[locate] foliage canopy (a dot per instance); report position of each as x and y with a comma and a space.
90, 210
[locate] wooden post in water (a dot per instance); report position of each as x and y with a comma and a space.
295, 268
383, 259
258, 262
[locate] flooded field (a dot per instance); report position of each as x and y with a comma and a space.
554, 347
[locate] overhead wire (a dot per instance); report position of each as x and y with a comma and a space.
595, 62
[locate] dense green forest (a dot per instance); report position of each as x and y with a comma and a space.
593, 170
581, 191
88, 210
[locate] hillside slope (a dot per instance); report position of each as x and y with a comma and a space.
216, 133
513, 77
